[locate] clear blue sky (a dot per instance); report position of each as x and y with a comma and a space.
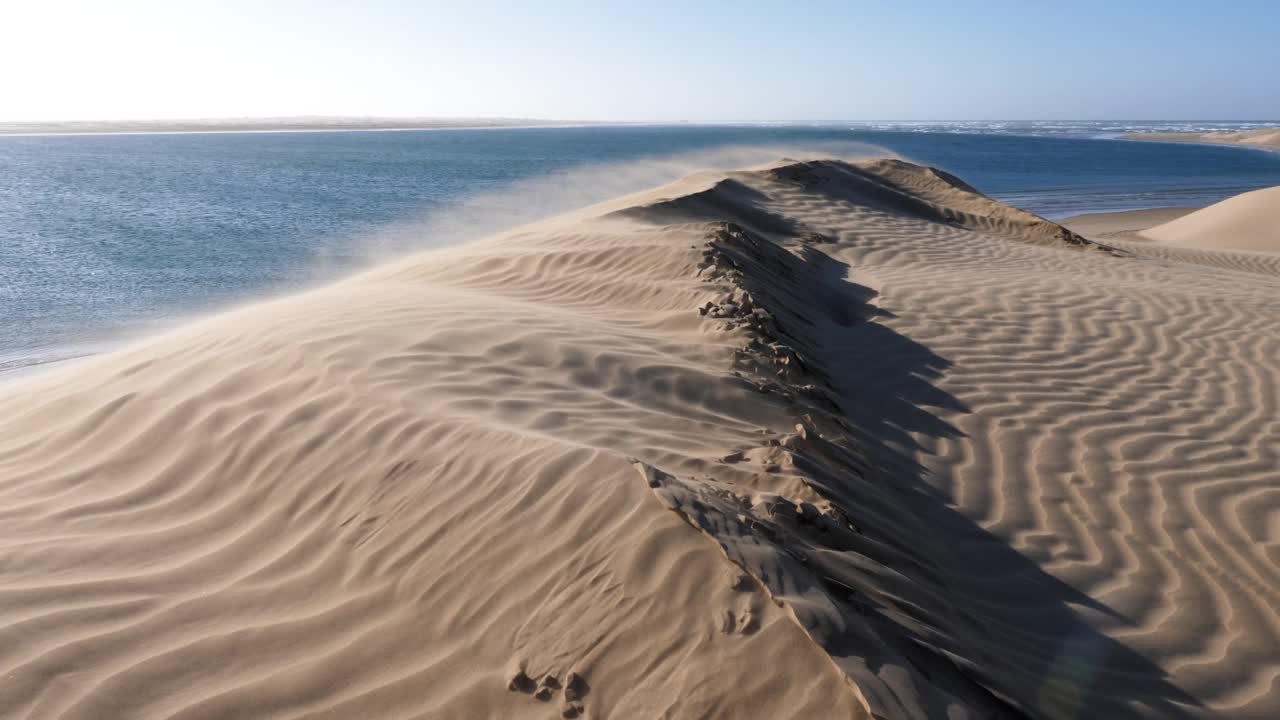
656, 60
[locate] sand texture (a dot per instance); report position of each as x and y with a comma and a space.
1263, 138
812, 440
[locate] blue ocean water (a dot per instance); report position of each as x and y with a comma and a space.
105, 236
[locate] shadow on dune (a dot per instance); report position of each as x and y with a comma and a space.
975, 603
928, 611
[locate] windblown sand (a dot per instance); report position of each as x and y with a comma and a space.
813, 440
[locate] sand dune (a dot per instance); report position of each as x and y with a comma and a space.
816, 439
1249, 221
1263, 137
1231, 223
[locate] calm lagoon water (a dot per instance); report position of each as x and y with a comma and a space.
105, 236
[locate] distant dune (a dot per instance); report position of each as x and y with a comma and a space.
1250, 221
812, 440
93, 127
1265, 137
1123, 224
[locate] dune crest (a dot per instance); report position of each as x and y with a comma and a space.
817, 439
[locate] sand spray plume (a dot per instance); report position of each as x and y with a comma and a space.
480, 215
553, 193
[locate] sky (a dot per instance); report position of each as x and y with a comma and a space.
650, 60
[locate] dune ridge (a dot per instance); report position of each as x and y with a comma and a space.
816, 439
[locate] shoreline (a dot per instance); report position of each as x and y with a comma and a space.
1259, 139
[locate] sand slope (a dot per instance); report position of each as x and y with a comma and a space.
1249, 221
812, 440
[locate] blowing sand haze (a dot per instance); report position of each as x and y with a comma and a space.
814, 439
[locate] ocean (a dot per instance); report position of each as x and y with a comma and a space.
106, 237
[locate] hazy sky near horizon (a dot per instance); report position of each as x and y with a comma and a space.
655, 60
